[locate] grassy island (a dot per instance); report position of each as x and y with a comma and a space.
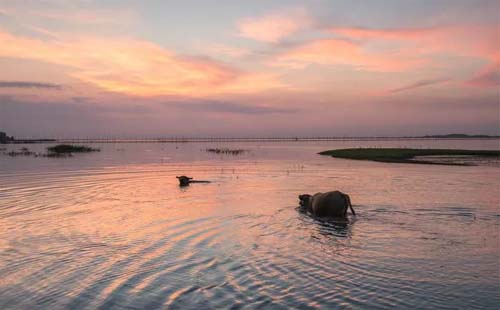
226, 151
68, 149
413, 156
60, 150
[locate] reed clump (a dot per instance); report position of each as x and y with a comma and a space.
68, 148
22, 152
57, 151
226, 151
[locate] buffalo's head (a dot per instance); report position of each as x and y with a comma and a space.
305, 200
184, 180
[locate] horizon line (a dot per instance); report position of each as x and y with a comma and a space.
181, 139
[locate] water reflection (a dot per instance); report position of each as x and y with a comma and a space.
337, 227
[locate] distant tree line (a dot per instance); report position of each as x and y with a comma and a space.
4, 138
458, 136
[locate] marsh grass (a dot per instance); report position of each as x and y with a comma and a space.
57, 151
404, 155
22, 152
68, 148
226, 151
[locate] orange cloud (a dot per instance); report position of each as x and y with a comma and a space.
273, 27
135, 67
341, 52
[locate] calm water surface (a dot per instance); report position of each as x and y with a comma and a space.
112, 230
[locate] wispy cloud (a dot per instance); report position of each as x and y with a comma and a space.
398, 49
418, 84
275, 26
385, 34
482, 41
487, 77
22, 84
343, 52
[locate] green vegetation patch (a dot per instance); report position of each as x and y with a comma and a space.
68, 148
403, 155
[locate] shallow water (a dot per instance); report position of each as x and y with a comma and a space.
113, 230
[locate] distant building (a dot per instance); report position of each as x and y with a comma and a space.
4, 138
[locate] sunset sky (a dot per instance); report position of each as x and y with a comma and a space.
130, 69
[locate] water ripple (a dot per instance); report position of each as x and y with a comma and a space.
131, 238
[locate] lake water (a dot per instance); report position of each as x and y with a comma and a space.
113, 230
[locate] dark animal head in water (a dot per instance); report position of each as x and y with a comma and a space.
305, 200
184, 180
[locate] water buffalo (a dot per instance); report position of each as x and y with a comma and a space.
185, 181
329, 204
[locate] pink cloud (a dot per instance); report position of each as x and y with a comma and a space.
273, 27
464, 39
479, 41
342, 52
398, 50
385, 34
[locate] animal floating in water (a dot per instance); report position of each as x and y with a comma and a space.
329, 204
185, 181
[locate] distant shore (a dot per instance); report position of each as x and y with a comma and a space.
254, 139
29, 141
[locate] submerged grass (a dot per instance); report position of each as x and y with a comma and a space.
22, 152
60, 150
404, 155
226, 151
